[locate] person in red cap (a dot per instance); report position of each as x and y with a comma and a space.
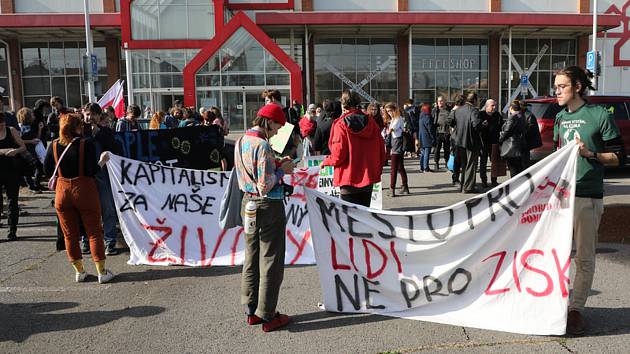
260, 178
357, 152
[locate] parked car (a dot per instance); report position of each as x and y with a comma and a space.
546, 108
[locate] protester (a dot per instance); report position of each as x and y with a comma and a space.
308, 126
260, 178
512, 139
425, 136
219, 120
11, 146
41, 110
594, 130
533, 137
395, 131
491, 123
9, 117
104, 139
332, 111
467, 142
188, 119
58, 110
319, 111
29, 136
76, 195
439, 115
111, 115
412, 118
157, 121
374, 112
171, 121
130, 121
356, 152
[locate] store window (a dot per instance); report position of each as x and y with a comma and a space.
560, 53
172, 19
367, 65
4, 76
158, 76
448, 67
55, 69
235, 76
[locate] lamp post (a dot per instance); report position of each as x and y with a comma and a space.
89, 60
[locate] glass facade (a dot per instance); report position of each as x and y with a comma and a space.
55, 69
158, 73
368, 64
235, 76
4, 75
448, 67
172, 19
560, 53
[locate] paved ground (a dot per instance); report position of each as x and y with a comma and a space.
176, 309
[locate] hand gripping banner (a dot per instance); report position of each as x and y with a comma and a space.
498, 261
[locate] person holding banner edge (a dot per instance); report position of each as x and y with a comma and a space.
599, 140
260, 178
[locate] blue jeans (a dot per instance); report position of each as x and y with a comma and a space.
108, 209
424, 158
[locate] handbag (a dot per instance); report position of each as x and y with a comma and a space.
52, 182
511, 147
450, 164
409, 143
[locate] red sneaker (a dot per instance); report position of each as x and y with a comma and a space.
253, 320
279, 321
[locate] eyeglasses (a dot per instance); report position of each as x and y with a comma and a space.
560, 87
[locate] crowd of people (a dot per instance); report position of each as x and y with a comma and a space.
358, 140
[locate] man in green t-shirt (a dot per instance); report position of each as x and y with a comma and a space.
593, 128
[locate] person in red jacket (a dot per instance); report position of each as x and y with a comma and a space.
356, 151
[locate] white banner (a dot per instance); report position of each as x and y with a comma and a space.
497, 261
169, 216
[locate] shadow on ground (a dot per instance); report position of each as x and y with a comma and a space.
22, 320
174, 272
319, 320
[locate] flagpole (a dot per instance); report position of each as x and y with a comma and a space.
89, 46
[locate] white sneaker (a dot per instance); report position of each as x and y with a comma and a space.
80, 277
104, 278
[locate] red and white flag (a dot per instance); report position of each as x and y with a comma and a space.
114, 97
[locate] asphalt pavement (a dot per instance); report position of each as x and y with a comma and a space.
196, 310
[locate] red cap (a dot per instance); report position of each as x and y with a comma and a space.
274, 112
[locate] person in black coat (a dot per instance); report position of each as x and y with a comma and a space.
491, 122
332, 111
513, 132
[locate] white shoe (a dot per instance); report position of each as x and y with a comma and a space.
80, 277
104, 278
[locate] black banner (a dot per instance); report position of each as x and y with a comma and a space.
199, 147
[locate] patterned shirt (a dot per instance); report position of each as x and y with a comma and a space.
253, 157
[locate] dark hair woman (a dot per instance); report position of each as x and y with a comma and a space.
513, 133
395, 130
76, 197
426, 136
260, 178
10, 146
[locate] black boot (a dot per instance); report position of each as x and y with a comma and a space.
11, 236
